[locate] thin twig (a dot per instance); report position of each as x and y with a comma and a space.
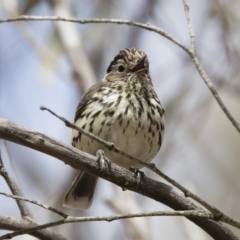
109, 145
191, 51
14, 224
147, 27
190, 28
62, 214
217, 213
13, 188
72, 219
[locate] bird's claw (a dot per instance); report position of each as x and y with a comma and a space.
102, 160
137, 174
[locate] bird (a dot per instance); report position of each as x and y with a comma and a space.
123, 109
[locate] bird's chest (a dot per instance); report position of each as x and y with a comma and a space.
131, 122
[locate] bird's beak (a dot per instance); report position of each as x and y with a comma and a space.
139, 67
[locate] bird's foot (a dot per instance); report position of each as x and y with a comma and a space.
102, 160
137, 174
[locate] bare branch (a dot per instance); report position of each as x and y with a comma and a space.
218, 214
109, 145
10, 223
190, 28
13, 188
116, 174
150, 28
202, 72
15, 224
71, 219
36, 203
98, 20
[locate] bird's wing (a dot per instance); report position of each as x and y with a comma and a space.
87, 99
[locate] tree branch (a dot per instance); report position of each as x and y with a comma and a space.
36, 203
26, 222
190, 28
148, 27
15, 224
116, 174
192, 52
97, 20
72, 219
151, 166
13, 188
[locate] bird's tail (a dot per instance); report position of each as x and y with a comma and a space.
80, 194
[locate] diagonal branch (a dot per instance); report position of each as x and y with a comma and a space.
148, 27
36, 203
15, 224
116, 174
217, 213
191, 51
190, 28
13, 188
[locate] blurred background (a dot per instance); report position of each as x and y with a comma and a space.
53, 63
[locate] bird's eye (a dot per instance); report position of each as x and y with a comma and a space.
121, 68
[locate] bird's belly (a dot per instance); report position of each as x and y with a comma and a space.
136, 136
134, 141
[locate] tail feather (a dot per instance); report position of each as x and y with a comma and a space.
80, 195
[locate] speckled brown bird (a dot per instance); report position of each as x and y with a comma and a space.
124, 109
